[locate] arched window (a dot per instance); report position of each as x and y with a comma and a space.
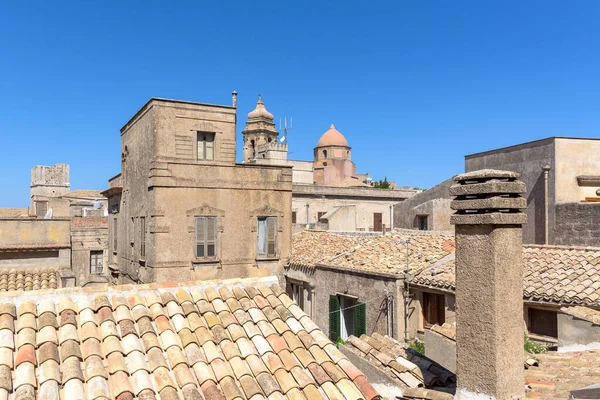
324, 153
253, 148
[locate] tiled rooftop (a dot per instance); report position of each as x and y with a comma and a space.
406, 366
225, 340
373, 253
558, 274
13, 212
559, 373
28, 279
584, 313
94, 194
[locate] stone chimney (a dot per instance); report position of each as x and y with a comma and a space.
234, 98
489, 284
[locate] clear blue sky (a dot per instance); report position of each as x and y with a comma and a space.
414, 86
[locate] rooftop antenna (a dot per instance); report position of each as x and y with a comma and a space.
286, 130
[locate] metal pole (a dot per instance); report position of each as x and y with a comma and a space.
407, 295
546, 168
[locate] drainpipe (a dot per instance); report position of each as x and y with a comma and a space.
307, 209
546, 169
391, 217
407, 296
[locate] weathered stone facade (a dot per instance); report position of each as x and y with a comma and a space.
577, 224
170, 180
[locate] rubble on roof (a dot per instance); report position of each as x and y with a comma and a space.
406, 366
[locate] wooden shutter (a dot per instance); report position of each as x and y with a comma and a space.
360, 319
200, 236
334, 318
293, 217
288, 290
211, 236
142, 237
272, 236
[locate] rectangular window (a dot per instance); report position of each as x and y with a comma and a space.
142, 237
543, 322
96, 267
267, 236
422, 222
115, 230
297, 293
293, 217
433, 309
205, 237
347, 316
206, 146
41, 208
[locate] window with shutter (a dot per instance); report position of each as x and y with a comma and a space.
205, 231
360, 325
334, 318
142, 237
272, 236
206, 146
267, 236
115, 231
293, 217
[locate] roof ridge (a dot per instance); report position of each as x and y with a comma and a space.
562, 247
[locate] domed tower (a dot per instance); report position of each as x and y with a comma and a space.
260, 129
332, 163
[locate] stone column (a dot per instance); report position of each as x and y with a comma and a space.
489, 284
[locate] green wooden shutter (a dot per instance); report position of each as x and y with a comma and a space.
334, 318
361, 319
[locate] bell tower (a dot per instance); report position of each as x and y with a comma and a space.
260, 130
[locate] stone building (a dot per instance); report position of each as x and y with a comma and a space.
182, 209
562, 176
60, 240
327, 193
371, 269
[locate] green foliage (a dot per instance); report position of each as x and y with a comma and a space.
417, 345
384, 184
339, 341
533, 347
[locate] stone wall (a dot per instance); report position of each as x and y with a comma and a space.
368, 287
527, 159
573, 331
433, 202
577, 224
89, 234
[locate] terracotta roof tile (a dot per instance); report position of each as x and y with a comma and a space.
373, 253
558, 274
406, 366
92, 348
